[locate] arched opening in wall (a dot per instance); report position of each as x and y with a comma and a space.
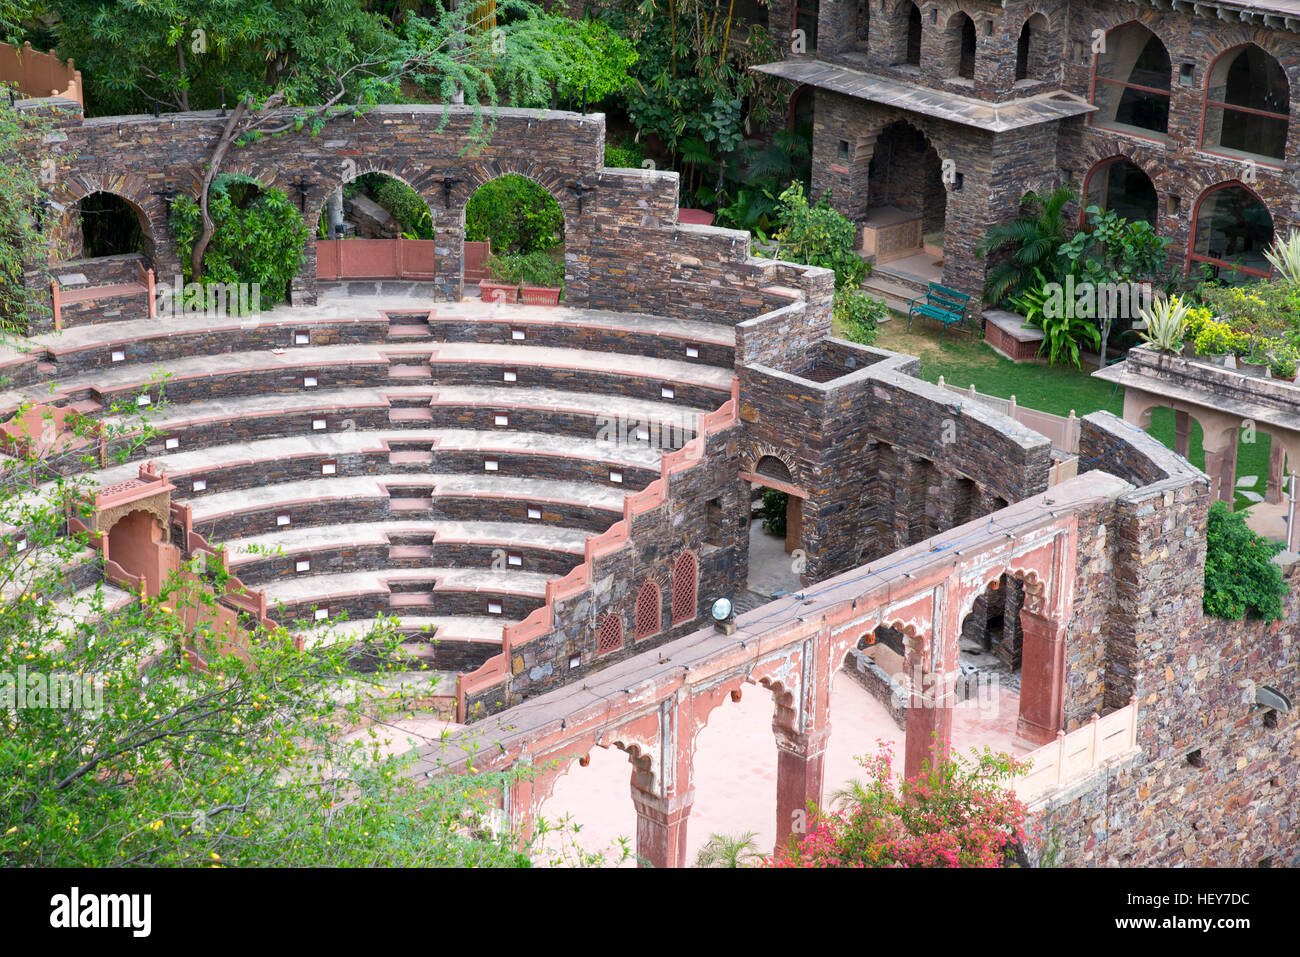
649, 611
987, 690
686, 587
776, 558
791, 152
905, 35
514, 235
1231, 229
959, 47
133, 547
103, 226
1120, 185
1032, 59
735, 774
1131, 82
375, 226
1247, 101
906, 199
1252, 471
590, 811
868, 711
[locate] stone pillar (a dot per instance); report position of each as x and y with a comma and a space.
661, 827
1274, 492
449, 253
929, 708
800, 761
334, 212
793, 523
1228, 474
1042, 680
1182, 433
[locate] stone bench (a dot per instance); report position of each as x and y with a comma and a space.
1010, 336
366, 499
395, 544
350, 453
434, 591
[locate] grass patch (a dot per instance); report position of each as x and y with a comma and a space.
964, 360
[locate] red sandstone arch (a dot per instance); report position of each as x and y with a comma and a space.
1192, 253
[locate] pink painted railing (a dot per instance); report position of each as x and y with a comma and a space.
38, 74
374, 259
1073, 756
541, 620
146, 279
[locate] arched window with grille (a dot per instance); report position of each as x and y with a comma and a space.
609, 633
649, 611
685, 588
1131, 82
1231, 229
1247, 101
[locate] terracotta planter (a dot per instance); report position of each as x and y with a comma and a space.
496, 292
539, 295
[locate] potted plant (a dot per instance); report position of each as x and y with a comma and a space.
1163, 324
1283, 360
1214, 340
541, 280
1251, 360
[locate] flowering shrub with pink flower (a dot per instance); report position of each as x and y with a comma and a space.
956, 815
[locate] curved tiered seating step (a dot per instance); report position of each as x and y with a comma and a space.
457, 643
375, 365
246, 512
83, 347
556, 411
548, 549
428, 592
451, 451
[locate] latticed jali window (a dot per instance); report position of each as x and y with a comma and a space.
609, 634
685, 588
648, 611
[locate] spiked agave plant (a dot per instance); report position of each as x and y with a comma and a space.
1163, 323
1284, 256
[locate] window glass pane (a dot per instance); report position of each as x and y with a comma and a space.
1233, 226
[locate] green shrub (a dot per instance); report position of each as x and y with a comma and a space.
259, 236
773, 511
818, 235
1241, 578
859, 315
626, 155
529, 269
406, 205
516, 215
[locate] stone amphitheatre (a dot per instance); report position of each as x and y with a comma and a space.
394, 446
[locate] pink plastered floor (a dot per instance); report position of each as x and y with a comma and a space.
735, 769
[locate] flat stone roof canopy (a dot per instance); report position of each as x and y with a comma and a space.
967, 111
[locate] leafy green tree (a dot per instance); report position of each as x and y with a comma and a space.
1031, 244
258, 238
818, 235
1241, 578
516, 215
693, 87
270, 757
21, 214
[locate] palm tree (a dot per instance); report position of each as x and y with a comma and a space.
1034, 239
725, 850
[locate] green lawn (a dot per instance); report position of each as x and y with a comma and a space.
963, 361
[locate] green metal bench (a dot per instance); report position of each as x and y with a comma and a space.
941, 303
